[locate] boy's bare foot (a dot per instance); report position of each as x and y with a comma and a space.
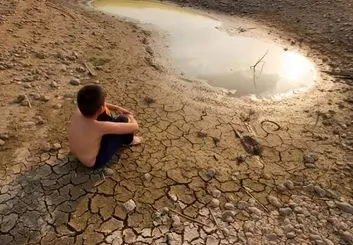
136, 141
108, 171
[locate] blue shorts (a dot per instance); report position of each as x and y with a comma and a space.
111, 143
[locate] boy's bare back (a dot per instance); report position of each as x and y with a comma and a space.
84, 137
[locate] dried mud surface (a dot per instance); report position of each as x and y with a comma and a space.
299, 191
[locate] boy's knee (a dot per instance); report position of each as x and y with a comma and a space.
122, 118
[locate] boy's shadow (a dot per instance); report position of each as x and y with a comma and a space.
42, 199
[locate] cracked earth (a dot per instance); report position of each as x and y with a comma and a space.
191, 182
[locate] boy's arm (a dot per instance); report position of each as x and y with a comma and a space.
115, 107
117, 128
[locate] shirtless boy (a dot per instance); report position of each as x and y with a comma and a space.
95, 135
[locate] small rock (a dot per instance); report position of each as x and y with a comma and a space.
149, 50
340, 104
241, 159
57, 106
54, 84
228, 219
176, 221
319, 191
228, 216
80, 69
288, 227
310, 165
242, 205
331, 204
285, 211
281, 188
211, 240
40, 120
75, 82
129, 206
255, 211
344, 206
347, 236
24, 103
216, 193
164, 210
298, 210
201, 134
314, 237
289, 184
149, 100
28, 124
328, 242
129, 236
267, 176
274, 201
249, 226
57, 146
4, 136
229, 206
211, 173
172, 197
291, 235
310, 158
2, 142
225, 231
20, 98
44, 98
204, 211
147, 177
46, 147
214, 203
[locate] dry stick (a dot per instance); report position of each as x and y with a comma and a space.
341, 74
317, 119
187, 217
90, 68
254, 68
250, 129
214, 218
252, 196
50, 4
29, 102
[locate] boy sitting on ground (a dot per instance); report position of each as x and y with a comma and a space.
95, 134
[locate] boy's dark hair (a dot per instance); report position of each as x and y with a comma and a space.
90, 99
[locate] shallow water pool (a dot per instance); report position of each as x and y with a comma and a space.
201, 49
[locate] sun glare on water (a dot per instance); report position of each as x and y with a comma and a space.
294, 66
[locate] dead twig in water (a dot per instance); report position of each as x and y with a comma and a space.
29, 102
252, 196
253, 68
187, 217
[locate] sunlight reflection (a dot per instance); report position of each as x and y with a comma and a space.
294, 66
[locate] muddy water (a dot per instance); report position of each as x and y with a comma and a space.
201, 49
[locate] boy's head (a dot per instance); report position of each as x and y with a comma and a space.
90, 100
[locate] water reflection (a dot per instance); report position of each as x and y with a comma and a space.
201, 49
